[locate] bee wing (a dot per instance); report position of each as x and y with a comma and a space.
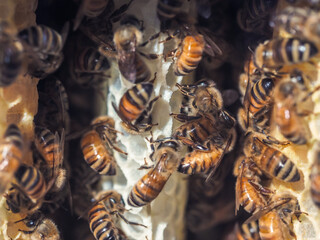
58, 152
238, 186
220, 159
211, 48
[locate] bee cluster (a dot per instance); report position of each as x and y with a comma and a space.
149, 85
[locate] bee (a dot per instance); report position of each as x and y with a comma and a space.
315, 176
135, 107
44, 46
299, 22
254, 15
204, 97
277, 223
126, 40
11, 56
286, 115
11, 153
90, 67
271, 161
248, 231
96, 146
166, 157
39, 227
257, 103
168, 9
101, 215
275, 53
249, 192
51, 148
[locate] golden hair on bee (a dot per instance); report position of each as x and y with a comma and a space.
100, 215
273, 54
272, 162
39, 227
166, 157
11, 154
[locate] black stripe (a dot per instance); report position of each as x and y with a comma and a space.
296, 177
289, 49
277, 51
280, 165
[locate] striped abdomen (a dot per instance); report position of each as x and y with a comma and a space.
136, 71
135, 100
97, 155
200, 162
147, 188
168, 9
31, 181
260, 95
286, 51
47, 145
43, 39
11, 152
278, 165
190, 56
290, 125
249, 197
101, 224
90, 60
249, 231
270, 226
10, 60
93, 8
198, 130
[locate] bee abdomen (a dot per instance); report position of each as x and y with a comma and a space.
32, 181
278, 165
144, 191
101, 224
260, 94
13, 135
97, 155
95, 8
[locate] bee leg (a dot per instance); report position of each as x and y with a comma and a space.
117, 14
182, 117
271, 140
261, 189
150, 39
114, 147
129, 222
185, 90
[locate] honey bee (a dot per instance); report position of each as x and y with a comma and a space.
135, 107
300, 22
204, 97
44, 46
286, 115
101, 215
249, 192
271, 161
90, 67
277, 223
96, 146
315, 176
11, 56
257, 103
39, 227
275, 53
254, 15
51, 148
11, 152
248, 231
166, 157
126, 39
